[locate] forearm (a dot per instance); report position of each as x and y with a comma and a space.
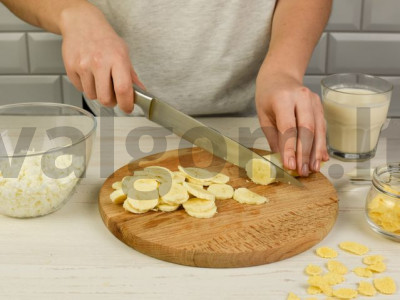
47, 14
296, 28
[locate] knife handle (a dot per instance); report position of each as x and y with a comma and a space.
143, 99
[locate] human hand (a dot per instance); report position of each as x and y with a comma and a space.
96, 58
292, 119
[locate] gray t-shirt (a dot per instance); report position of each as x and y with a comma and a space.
200, 56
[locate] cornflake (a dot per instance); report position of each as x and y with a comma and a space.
354, 248
373, 259
363, 272
333, 278
326, 252
321, 283
313, 270
378, 267
345, 293
337, 267
385, 285
366, 288
313, 290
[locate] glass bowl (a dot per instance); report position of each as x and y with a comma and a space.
44, 151
383, 201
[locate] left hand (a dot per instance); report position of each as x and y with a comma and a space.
292, 119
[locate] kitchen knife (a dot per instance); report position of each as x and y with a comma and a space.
201, 135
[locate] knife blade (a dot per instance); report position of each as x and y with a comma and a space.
201, 135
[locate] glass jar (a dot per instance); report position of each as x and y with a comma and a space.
383, 201
44, 151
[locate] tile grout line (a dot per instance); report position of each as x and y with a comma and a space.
327, 52
362, 16
28, 58
62, 88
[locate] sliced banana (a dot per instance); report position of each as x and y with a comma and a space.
117, 185
131, 209
203, 215
243, 195
162, 206
221, 191
178, 177
162, 174
199, 182
143, 174
198, 191
142, 205
145, 184
260, 171
197, 173
177, 194
220, 178
198, 205
118, 196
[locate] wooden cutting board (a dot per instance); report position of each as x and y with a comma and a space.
240, 235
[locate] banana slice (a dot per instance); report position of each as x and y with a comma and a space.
198, 205
178, 177
165, 207
243, 195
199, 182
131, 209
203, 215
277, 160
260, 171
142, 205
220, 178
221, 191
162, 174
118, 196
145, 184
196, 173
143, 174
198, 191
117, 185
177, 194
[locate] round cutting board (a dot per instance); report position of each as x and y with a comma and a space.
239, 235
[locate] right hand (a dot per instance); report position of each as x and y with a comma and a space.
96, 58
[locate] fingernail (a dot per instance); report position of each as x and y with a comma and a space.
317, 165
292, 163
305, 171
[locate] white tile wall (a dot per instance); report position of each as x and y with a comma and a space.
381, 15
70, 94
374, 53
45, 53
318, 59
28, 88
361, 36
13, 58
346, 15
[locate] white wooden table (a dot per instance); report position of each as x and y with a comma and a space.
72, 255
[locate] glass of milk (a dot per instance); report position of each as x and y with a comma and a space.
355, 107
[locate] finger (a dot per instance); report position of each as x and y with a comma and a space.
104, 87
318, 151
136, 80
75, 80
305, 135
122, 82
270, 131
286, 124
88, 85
